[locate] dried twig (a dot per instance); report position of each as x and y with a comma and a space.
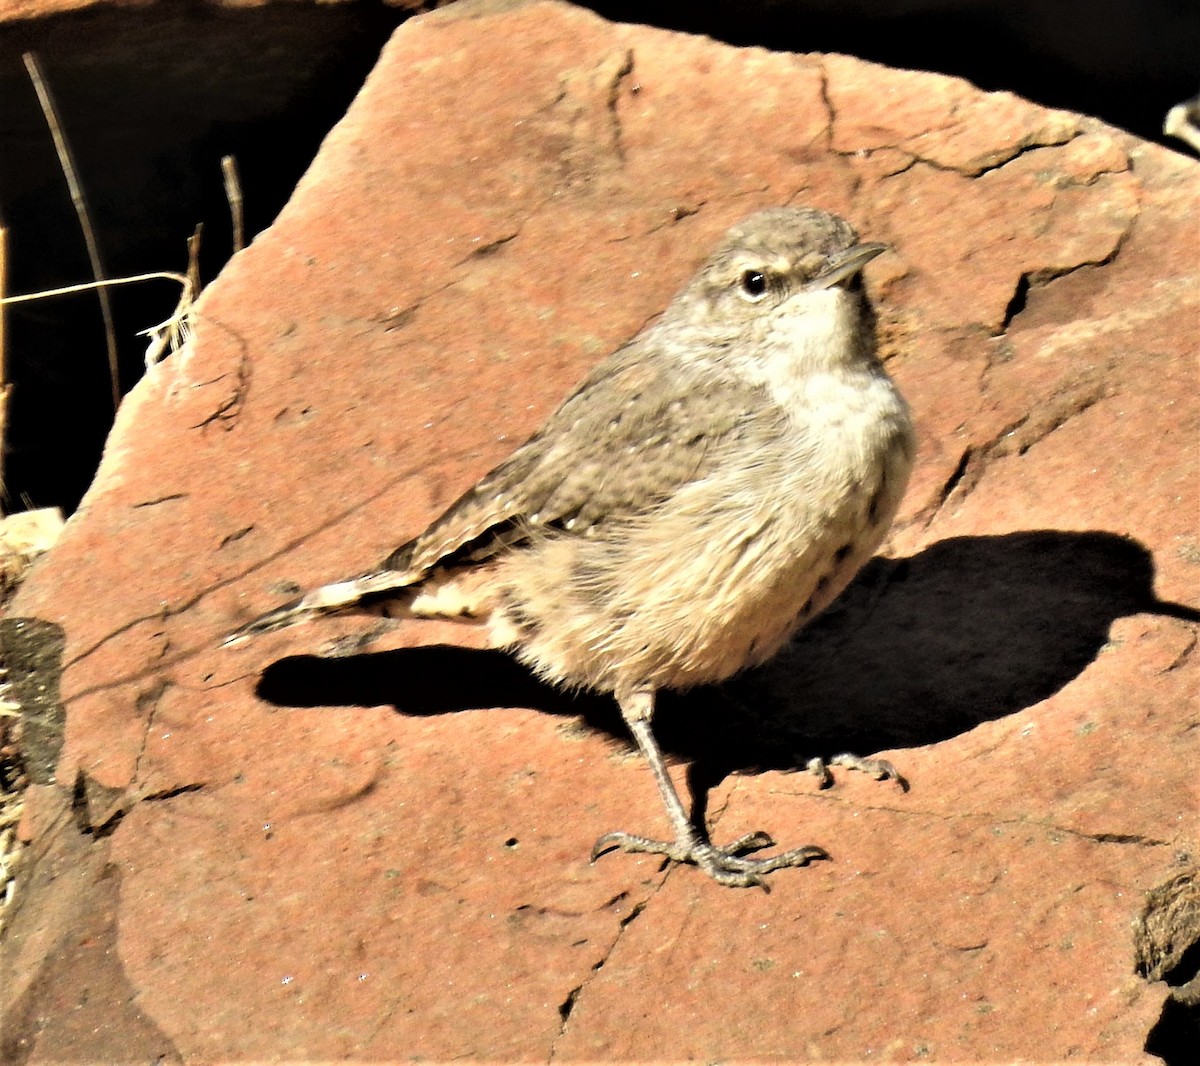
193, 247
233, 193
77, 198
83, 286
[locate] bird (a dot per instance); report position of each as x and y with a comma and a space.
706, 491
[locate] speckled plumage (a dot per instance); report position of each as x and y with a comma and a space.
708, 489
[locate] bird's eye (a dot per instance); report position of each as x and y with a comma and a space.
754, 283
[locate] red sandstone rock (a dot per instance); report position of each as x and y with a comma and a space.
363, 860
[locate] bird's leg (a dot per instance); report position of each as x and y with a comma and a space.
725, 865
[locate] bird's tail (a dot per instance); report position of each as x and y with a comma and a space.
328, 599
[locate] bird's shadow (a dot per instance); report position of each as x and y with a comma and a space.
917, 650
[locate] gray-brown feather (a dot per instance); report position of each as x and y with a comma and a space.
659, 425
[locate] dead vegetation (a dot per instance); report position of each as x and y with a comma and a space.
25, 535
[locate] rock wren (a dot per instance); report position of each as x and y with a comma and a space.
709, 488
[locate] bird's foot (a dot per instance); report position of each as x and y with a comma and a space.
880, 769
726, 865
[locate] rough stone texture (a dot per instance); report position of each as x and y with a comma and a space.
362, 857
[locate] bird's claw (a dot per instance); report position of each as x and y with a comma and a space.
726, 865
880, 769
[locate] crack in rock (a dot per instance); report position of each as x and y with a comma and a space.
581, 126
830, 110
161, 499
1182, 657
169, 612
227, 413
235, 536
488, 248
571, 1000
1001, 156
1016, 304
1017, 438
98, 810
623, 70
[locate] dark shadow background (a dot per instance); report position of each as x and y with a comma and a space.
152, 97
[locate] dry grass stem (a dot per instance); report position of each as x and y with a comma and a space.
233, 193
67, 162
167, 336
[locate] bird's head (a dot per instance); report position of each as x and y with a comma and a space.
787, 275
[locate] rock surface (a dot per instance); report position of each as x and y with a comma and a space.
256, 853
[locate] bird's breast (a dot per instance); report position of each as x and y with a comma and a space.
718, 576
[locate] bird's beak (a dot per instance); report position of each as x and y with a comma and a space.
846, 264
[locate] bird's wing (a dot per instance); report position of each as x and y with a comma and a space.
635, 431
